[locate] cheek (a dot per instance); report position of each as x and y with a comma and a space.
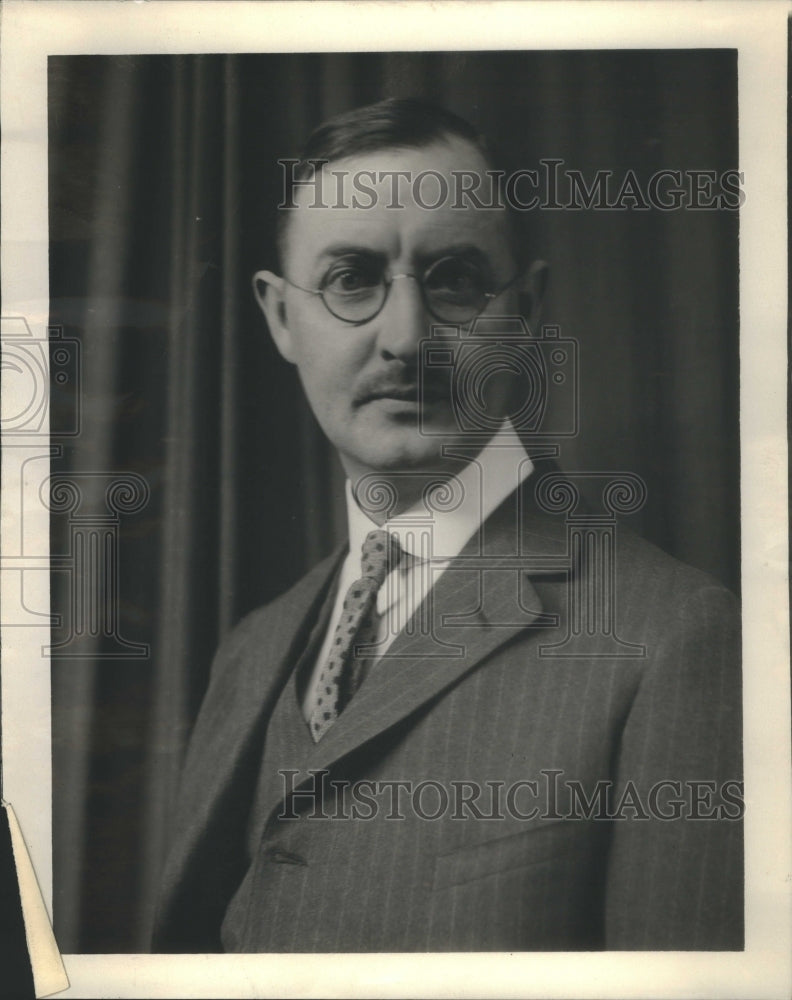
329, 362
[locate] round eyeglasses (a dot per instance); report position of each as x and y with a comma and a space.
454, 289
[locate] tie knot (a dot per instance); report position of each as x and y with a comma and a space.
380, 554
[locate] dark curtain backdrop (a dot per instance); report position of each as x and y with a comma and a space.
163, 183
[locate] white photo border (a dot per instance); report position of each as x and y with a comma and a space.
31, 31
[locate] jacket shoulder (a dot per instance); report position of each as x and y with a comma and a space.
643, 570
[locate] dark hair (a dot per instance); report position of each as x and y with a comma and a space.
394, 123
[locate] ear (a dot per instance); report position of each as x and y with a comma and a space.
532, 287
269, 291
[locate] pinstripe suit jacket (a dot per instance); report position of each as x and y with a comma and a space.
505, 709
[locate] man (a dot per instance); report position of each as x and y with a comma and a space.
472, 728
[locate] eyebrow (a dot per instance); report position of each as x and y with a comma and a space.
469, 251
334, 250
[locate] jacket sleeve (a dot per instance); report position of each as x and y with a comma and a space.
674, 878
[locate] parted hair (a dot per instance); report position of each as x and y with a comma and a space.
393, 123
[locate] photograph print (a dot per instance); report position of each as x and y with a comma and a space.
395, 502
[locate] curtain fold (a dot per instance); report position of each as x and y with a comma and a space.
163, 187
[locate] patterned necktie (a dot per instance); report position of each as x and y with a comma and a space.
344, 672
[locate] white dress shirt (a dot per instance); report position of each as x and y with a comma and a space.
429, 539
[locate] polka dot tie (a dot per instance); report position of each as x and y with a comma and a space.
344, 672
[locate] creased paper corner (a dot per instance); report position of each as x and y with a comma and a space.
49, 974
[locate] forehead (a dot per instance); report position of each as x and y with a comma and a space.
400, 203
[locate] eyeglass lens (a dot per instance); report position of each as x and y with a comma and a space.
454, 289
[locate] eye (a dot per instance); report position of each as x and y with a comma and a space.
456, 278
350, 277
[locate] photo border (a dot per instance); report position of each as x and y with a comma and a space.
758, 30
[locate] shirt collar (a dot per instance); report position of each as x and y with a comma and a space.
474, 493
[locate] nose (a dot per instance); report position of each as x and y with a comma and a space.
404, 322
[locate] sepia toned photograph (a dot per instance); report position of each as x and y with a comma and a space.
389, 473
473, 319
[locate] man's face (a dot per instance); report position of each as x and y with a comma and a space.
362, 379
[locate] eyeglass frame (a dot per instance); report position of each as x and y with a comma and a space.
388, 281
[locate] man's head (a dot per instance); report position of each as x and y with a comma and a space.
369, 265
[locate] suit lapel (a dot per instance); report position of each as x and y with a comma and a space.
482, 600
253, 688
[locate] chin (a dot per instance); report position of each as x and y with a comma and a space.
399, 452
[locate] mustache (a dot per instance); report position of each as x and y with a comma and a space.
430, 386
